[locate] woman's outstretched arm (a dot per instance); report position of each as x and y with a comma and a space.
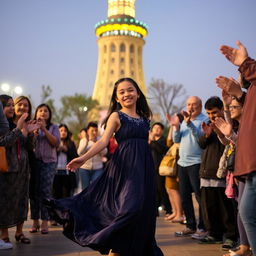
113, 125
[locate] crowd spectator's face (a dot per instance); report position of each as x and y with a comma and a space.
21, 107
92, 133
82, 134
213, 113
9, 109
63, 132
194, 106
157, 130
43, 113
235, 109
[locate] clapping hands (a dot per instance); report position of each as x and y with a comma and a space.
32, 125
235, 56
21, 121
229, 85
224, 127
187, 116
207, 129
173, 120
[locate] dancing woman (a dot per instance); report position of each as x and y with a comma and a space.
116, 215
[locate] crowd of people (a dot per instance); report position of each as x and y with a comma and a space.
118, 173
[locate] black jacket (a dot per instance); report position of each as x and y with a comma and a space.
213, 150
158, 149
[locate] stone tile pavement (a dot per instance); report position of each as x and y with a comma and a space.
55, 244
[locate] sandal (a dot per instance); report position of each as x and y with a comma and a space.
34, 229
44, 231
21, 238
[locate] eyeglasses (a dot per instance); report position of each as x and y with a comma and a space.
234, 107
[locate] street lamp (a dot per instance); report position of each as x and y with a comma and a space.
6, 88
18, 90
83, 109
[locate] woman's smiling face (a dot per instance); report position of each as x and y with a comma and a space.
9, 109
126, 94
21, 107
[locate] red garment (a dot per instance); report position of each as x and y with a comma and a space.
245, 162
112, 145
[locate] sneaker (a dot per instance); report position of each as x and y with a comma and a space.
200, 234
228, 244
5, 245
185, 232
210, 240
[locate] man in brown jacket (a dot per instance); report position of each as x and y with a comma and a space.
245, 163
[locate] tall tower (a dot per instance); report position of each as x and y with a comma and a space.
120, 44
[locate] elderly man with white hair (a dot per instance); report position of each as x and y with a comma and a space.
187, 134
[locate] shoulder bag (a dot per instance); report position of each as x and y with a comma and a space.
168, 165
3, 160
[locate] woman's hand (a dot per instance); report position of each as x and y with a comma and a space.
223, 126
41, 123
31, 126
21, 121
75, 164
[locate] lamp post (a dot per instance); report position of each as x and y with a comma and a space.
6, 88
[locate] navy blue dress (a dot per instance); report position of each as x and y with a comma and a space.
117, 211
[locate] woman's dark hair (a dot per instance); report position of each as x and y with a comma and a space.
67, 140
48, 122
142, 108
20, 98
235, 123
4, 99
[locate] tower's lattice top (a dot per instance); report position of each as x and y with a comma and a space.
121, 21
121, 7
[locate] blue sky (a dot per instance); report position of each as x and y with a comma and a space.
53, 42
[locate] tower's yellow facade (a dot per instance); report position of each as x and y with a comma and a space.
120, 44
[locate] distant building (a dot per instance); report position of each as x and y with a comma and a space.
120, 44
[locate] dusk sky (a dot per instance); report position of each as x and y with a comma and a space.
52, 42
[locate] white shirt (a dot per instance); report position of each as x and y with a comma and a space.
95, 162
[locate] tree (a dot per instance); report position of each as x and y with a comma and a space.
164, 97
46, 98
76, 109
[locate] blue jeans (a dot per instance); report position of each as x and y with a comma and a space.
88, 176
189, 182
247, 210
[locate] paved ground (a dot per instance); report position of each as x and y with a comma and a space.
55, 244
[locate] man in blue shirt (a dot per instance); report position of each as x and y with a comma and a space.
187, 134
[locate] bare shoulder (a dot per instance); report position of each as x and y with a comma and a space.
114, 115
114, 120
